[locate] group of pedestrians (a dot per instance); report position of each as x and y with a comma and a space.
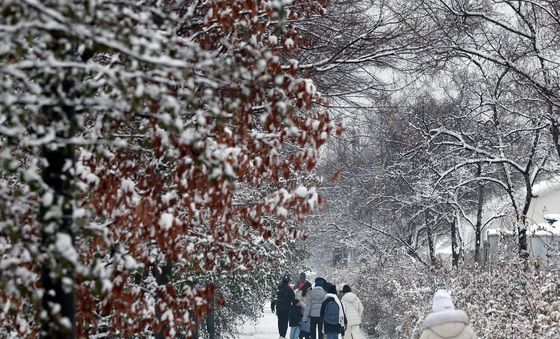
317, 312
322, 312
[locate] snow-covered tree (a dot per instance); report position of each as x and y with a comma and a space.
146, 143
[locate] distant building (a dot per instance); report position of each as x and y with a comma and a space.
543, 243
543, 230
500, 239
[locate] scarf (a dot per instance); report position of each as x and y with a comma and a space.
444, 317
340, 309
300, 284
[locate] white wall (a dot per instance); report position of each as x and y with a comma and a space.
545, 203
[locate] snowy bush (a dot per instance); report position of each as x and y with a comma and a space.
145, 149
395, 293
510, 299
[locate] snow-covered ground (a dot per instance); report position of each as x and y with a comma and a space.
264, 328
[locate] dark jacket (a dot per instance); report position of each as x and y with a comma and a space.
295, 315
330, 310
284, 298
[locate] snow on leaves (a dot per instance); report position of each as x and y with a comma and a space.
189, 133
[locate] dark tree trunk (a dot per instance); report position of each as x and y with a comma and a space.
58, 302
455, 250
211, 320
162, 275
522, 220
522, 228
193, 316
478, 225
555, 131
431, 246
522, 237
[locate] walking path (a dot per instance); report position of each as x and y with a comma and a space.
264, 328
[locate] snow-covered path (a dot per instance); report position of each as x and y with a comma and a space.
264, 328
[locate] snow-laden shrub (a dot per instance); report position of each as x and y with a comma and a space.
508, 299
395, 292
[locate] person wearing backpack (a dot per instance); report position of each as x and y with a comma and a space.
284, 298
353, 310
332, 314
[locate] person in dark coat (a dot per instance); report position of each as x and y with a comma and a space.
327, 286
284, 298
332, 314
296, 314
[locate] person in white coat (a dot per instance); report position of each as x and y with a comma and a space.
353, 310
312, 311
445, 322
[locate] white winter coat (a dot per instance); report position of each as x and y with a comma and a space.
301, 298
298, 293
449, 324
353, 309
314, 302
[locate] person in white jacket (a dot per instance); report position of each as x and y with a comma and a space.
445, 322
312, 311
353, 310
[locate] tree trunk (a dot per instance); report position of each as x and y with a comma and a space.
555, 131
162, 275
431, 246
455, 251
211, 319
522, 223
478, 225
195, 334
55, 214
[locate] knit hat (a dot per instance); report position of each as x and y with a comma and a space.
442, 301
332, 289
286, 279
319, 281
346, 289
